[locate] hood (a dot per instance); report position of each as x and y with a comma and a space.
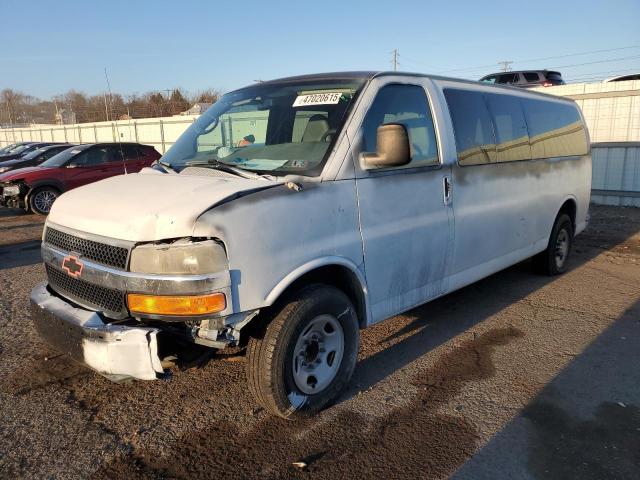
18, 163
26, 173
147, 206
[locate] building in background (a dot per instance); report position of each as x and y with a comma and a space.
197, 109
65, 117
612, 113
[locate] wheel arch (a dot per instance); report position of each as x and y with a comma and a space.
570, 207
335, 271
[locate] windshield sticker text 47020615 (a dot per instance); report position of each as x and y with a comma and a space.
328, 98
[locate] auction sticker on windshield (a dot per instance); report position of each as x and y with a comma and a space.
327, 98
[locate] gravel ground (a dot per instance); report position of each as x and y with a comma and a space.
516, 376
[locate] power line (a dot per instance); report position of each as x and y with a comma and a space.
464, 69
599, 61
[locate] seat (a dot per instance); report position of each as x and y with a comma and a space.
316, 129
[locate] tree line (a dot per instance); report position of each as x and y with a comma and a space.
20, 109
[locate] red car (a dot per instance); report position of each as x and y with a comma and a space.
36, 188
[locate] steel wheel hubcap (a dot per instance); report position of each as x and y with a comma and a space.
317, 355
562, 247
43, 200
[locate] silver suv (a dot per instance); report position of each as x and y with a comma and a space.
526, 78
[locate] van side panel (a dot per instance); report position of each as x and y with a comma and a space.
504, 211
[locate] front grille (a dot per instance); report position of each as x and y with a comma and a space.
99, 252
94, 296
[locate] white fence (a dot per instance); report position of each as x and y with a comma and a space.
159, 132
616, 173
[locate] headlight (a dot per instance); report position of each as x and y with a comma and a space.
3, 169
179, 258
11, 190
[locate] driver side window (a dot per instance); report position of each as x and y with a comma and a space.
407, 105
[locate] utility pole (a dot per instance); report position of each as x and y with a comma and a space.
505, 65
395, 59
106, 109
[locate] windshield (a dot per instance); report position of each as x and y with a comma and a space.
63, 157
19, 148
275, 128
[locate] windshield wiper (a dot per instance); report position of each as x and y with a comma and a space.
167, 166
224, 167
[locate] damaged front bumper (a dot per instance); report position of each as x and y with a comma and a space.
118, 352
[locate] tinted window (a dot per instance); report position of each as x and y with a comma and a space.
491, 79
531, 76
555, 128
507, 78
554, 76
94, 156
54, 151
472, 128
407, 105
512, 138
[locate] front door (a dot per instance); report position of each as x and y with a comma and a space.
405, 220
90, 166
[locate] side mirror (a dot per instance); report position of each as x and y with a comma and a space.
72, 165
392, 145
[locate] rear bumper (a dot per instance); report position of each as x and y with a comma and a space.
115, 351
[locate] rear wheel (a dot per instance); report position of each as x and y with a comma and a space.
303, 359
553, 261
41, 200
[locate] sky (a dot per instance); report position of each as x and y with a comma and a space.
49, 47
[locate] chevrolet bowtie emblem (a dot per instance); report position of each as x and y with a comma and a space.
72, 266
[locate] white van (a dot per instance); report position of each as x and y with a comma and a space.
297, 211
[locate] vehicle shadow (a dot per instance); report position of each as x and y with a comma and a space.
20, 254
567, 433
437, 322
13, 212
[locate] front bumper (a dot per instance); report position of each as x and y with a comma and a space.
115, 351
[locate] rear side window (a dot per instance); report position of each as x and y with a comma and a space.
507, 78
512, 138
475, 142
554, 76
555, 129
408, 105
531, 76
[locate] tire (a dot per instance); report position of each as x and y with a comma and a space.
553, 261
291, 373
41, 200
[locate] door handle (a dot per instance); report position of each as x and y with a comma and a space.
446, 190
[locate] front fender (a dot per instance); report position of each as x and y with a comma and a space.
315, 264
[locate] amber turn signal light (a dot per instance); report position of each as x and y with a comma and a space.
186, 305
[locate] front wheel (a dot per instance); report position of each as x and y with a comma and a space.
306, 355
41, 200
553, 261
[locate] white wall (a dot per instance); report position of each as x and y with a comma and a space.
159, 132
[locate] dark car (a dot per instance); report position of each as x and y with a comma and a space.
8, 148
21, 150
36, 188
623, 78
526, 78
34, 157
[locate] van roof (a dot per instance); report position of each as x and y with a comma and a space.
370, 74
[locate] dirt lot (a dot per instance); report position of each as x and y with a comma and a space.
516, 376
